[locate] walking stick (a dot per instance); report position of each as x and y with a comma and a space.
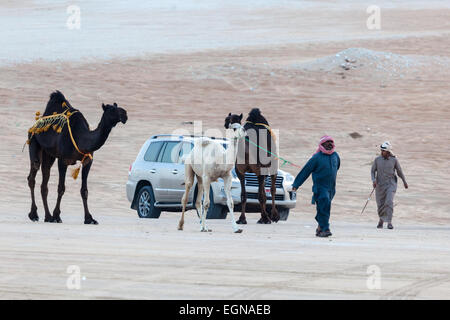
370, 196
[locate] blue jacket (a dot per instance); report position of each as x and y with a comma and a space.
324, 169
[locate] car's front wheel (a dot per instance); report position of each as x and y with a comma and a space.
146, 204
284, 213
215, 211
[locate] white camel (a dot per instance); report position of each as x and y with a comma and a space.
209, 161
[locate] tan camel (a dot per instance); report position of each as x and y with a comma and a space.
209, 161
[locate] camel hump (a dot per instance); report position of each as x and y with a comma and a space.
255, 112
203, 141
256, 116
55, 104
57, 96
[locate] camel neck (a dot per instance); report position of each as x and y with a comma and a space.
232, 152
95, 139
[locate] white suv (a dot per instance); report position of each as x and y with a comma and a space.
156, 182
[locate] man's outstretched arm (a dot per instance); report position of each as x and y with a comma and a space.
304, 173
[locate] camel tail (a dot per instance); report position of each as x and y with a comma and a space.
30, 136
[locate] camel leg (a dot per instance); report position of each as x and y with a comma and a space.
35, 163
62, 169
198, 200
275, 216
84, 193
242, 219
188, 182
47, 163
262, 200
227, 180
206, 202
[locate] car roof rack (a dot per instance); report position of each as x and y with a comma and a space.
156, 136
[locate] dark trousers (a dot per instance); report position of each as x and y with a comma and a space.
323, 207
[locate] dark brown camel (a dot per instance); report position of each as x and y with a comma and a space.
252, 158
51, 139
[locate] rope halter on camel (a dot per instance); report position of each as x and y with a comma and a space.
237, 126
57, 121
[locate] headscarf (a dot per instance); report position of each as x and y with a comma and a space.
322, 149
387, 146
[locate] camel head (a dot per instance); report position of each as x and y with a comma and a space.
238, 130
114, 114
232, 118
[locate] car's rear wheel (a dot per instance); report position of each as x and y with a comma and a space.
284, 213
146, 204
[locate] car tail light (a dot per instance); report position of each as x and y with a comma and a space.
131, 167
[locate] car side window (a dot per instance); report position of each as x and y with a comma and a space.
153, 151
185, 149
169, 155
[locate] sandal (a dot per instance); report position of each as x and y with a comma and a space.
380, 224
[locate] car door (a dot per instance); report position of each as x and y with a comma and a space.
171, 173
177, 187
152, 167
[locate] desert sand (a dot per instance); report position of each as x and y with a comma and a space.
313, 68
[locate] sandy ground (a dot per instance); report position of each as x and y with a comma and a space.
397, 89
129, 258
